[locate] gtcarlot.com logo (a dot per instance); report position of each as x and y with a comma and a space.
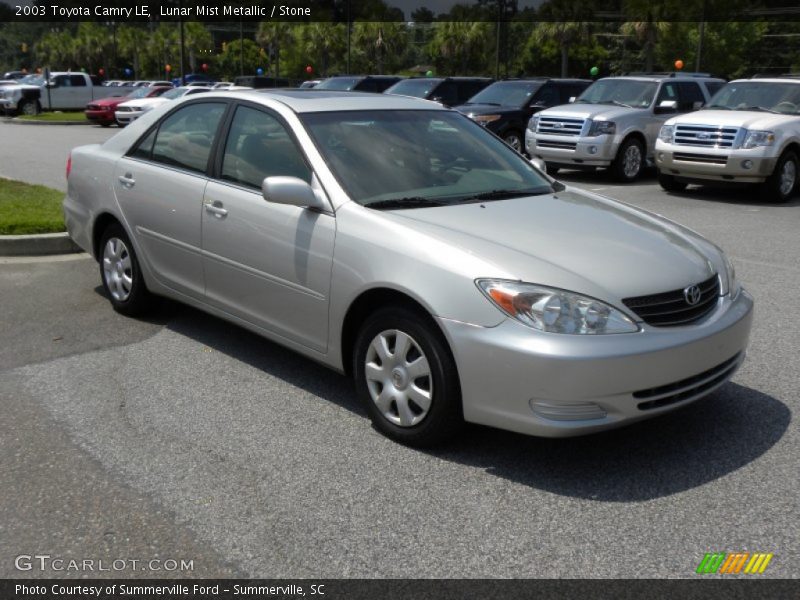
46, 562
731, 563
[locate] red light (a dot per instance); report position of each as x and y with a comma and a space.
69, 165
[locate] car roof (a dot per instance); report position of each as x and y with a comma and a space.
314, 100
670, 77
768, 80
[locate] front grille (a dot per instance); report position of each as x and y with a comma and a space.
670, 309
688, 388
93, 107
706, 136
559, 126
701, 158
558, 145
124, 109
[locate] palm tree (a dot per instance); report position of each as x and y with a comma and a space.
90, 45
565, 34
378, 43
324, 42
196, 39
275, 35
458, 41
647, 34
132, 40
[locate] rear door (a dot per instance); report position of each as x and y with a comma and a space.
266, 263
159, 185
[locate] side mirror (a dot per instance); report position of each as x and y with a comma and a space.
666, 106
539, 164
292, 191
51, 84
572, 99
697, 104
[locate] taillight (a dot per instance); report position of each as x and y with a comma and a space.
69, 164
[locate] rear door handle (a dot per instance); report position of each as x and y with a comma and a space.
215, 208
127, 180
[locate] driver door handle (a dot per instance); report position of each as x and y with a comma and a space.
215, 208
127, 180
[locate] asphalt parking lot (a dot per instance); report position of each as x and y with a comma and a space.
184, 437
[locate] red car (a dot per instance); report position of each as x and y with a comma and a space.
102, 111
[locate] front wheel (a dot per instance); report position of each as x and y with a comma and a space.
121, 273
513, 139
629, 163
407, 378
30, 108
670, 184
780, 185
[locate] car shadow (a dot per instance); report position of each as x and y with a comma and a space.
735, 195
666, 455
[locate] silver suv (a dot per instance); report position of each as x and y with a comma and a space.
615, 122
748, 133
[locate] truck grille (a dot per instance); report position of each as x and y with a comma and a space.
701, 158
670, 309
706, 136
691, 387
559, 126
556, 144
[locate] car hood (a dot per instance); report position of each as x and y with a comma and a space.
601, 112
486, 109
573, 240
111, 101
749, 119
142, 102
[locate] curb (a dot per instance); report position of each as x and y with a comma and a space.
16, 121
40, 244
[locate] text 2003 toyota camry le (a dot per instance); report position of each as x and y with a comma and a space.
398, 241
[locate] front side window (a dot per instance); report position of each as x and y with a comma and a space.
259, 146
77, 80
339, 83
669, 92
185, 137
417, 87
507, 93
620, 92
419, 157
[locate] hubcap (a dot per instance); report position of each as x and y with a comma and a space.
788, 177
632, 161
117, 269
514, 142
399, 378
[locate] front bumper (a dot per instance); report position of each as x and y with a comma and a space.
575, 152
100, 116
125, 117
555, 385
709, 164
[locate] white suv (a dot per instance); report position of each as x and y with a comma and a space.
615, 122
748, 133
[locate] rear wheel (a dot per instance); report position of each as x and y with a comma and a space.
513, 139
783, 181
121, 273
406, 378
670, 184
629, 163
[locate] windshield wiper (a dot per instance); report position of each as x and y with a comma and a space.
505, 194
409, 202
760, 108
618, 103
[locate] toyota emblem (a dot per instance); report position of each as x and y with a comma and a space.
692, 295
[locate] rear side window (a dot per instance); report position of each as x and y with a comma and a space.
446, 93
259, 146
184, 138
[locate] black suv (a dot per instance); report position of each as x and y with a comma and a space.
450, 91
506, 106
259, 81
358, 83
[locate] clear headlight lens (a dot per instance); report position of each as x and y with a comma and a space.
553, 310
533, 122
484, 119
732, 285
753, 139
666, 133
602, 128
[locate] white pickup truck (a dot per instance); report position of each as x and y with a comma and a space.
748, 133
64, 91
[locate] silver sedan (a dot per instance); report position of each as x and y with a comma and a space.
399, 242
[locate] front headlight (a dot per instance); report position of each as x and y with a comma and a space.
533, 122
484, 119
553, 310
729, 277
602, 128
666, 133
753, 139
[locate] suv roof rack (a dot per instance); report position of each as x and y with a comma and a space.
666, 74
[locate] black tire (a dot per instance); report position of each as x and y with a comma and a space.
670, 184
552, 170
129, 295
620, 169
775, 189
105, 124
444, 416
515, 139
30, 108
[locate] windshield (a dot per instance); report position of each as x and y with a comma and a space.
759, 95
174, 93
622, 92
419, 88
338, 83
422, 158
507, 93
138, 93
33, 80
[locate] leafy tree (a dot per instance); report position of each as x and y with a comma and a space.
461, 47
565, 35
232, 62
379, 47
197, 39
132, 41
276, 36
323, 45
